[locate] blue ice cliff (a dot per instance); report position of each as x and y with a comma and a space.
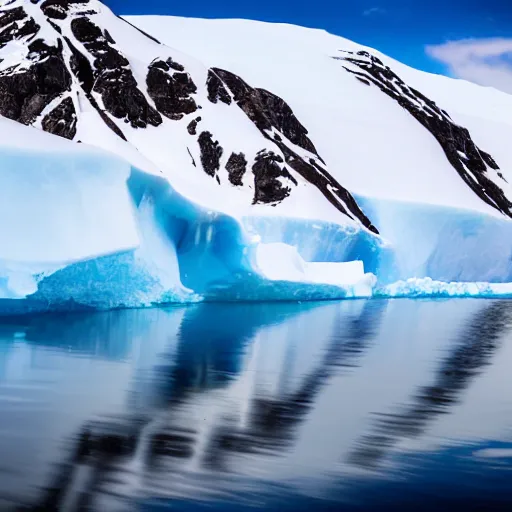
159, 164
85, 229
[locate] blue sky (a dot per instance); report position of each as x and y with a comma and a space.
400, 28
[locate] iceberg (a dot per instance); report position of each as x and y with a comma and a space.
443, 243
429, 288
89, 230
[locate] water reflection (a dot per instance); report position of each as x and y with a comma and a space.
471, 353
244, 403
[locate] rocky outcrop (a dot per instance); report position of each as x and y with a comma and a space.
471, 163
58, 9
211, 153
25, 94
75, 62
113, 78
277, 123
216, 89
171, 90
267, 171
62, 120
236, 167
266, 110
16, 24
192, 126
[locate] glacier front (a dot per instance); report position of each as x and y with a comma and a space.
85, 229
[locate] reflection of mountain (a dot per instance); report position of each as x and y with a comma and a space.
274, 420
220, 399
454, 375
99, 334
212, 339
209, 358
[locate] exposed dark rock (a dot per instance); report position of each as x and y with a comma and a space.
16, 24
363, 80
81, 68
104, 72
24, 95
12, 15
270, 113
55, 27
61, 120
267, 110
141, 31
266, 170
109, 38
54, 9
58, 9
337, 195
211, 153
175, 65
171, 91
216, 89
193, 161
471, 163
236, 167
113, 78
192, 127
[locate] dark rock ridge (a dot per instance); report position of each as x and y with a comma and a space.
58, 9
266, 110
471, 163
149, 36
79, 63
16, 24
236, 167
113, 78
82, 69
171, 90
61, 120
267, 170
273, 116
211, 153
216, 89
25, 94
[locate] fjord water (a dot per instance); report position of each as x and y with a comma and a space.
352, 405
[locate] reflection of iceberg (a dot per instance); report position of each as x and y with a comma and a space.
230, 395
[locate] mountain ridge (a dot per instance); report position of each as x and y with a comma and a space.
82, 58
257, 162
85, 62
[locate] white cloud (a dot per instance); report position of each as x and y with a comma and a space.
374, 10
483, 61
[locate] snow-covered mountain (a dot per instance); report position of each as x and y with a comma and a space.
80, 72
255, 162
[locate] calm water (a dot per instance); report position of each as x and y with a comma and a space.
378, 405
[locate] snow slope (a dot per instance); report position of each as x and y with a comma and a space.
258, 161
377, 149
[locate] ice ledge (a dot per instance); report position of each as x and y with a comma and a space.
429, 288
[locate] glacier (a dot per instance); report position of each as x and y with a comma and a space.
143, 209
87, 229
